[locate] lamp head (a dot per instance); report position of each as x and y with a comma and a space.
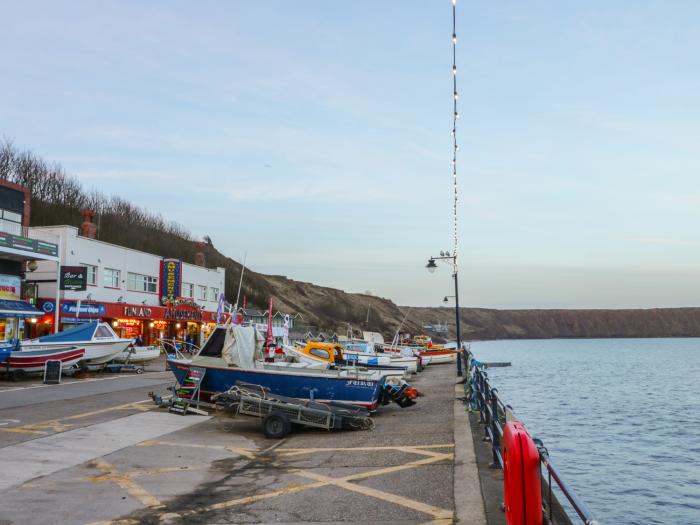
445, 300
431, 266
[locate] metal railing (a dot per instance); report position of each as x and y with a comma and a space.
177, 348
493, 414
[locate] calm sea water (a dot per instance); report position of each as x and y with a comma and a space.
620, 417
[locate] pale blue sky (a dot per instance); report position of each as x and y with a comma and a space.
315, 136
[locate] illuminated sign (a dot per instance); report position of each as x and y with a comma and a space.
137, 311
170, 280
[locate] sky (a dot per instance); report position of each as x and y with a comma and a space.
313, 137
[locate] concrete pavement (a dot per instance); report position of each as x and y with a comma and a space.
115, 459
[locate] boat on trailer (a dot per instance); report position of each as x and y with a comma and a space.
100, 342
138, 355
233, 353
34, 361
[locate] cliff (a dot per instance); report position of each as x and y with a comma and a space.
481, 323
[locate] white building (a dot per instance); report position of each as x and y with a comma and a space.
125, 287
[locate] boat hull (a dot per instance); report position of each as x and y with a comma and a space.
138, 356
96, 352
33, 361
409, 363
358, 392
440, 356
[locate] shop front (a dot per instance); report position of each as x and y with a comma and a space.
182, 320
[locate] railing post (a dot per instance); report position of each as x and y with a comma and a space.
495, 423
487, 415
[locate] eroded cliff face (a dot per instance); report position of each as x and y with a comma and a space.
480, 324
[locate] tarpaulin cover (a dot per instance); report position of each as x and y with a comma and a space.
242, 346
79, 333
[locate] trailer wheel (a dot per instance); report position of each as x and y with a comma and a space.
276, 425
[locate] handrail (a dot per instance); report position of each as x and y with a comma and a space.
493, 413
176, 344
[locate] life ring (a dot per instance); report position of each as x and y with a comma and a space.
522, 485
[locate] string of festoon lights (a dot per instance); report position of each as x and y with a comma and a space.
455, 117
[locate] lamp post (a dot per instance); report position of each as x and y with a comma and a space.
432, 266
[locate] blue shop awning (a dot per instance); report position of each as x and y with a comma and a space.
9, 308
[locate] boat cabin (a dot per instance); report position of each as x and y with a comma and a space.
328, 352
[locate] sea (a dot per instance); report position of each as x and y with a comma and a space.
620, 418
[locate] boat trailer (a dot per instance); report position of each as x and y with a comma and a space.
279, 413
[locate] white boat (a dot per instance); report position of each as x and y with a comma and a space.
363, 352
331, 356
138, 355
99, 340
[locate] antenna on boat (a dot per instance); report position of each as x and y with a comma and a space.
240, 282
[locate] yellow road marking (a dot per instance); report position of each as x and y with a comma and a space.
418, 449
247, 452
128, 521
436, 512
344, 482
125, 482
290, 489
57, 426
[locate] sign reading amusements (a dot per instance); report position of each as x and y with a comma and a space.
170, 280
73, 278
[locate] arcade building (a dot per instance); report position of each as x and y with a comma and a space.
138, 293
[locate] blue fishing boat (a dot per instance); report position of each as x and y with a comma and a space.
233, 354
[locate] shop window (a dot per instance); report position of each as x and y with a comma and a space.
141, 283
91, 273
188, 290
111, 278
214, 294
202, 292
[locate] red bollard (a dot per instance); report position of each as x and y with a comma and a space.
521, 476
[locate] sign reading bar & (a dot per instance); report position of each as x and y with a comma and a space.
170, 280
73, 278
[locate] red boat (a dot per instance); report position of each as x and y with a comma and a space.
33, 361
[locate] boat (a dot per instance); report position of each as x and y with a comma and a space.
401, 350
138, 355
438, 353
233, 353
99, 340
332, 356
365, 352
34, 361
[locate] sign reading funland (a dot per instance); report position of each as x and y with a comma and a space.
73, 278
170, 280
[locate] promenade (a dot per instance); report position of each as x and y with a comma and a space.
98, 451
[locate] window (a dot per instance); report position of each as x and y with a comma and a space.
141, 283
103, 332
91, 273
111, 278
214, 294
323, 354
188, 290
11, 222
202, 292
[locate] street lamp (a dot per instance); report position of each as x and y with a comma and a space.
431, 267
